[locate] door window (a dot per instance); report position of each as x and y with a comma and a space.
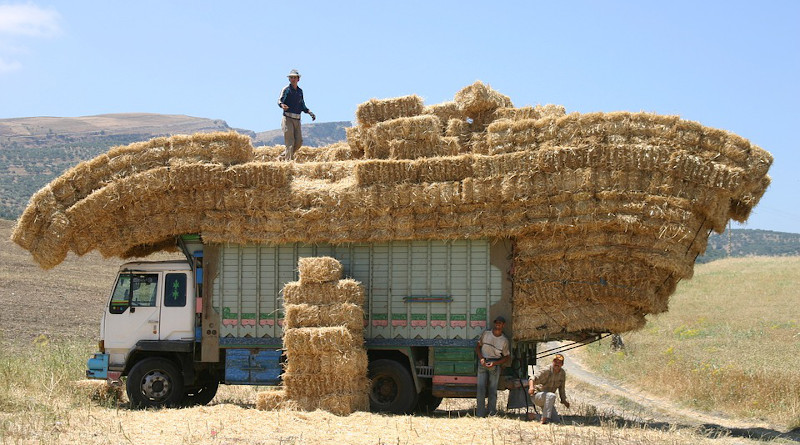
134, 289
175, 290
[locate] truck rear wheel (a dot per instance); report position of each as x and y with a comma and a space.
392, 389
154, 382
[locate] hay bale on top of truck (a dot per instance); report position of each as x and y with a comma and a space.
575, 224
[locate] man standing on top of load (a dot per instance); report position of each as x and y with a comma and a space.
493, 352
543, 389
292, 103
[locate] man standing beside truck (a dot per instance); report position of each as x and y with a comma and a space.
292, 103
543, 388
493, 352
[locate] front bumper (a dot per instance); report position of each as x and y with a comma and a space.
97, 366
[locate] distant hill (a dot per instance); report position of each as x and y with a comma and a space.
750, 242
35, 150
314, 135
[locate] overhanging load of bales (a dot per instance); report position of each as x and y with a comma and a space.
607, 210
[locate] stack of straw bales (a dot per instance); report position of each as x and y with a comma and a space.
608, 210
398, 129
326, 364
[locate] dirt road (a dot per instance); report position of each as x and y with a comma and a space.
625, 404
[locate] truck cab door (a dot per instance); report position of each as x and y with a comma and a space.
177, 308
133, 313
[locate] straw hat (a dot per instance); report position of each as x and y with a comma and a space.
293, 73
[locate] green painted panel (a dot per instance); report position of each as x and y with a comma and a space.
454, 368
443, 368
455, 354
464, 368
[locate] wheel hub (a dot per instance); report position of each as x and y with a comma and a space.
385, 390
156, 385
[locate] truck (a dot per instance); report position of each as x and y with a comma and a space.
177, 329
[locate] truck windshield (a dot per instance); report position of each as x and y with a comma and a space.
133, 289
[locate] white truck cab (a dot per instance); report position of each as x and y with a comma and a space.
150, 301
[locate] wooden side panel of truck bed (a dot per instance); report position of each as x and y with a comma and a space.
415, 289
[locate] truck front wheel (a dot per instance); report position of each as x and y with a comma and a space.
392, 388
155, 382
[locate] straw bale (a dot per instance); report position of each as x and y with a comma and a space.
507, 136
357, 141
267, 153
340, 404
326, 339
422, 170
540, 323
423, 129
742, 205
452, 145
457, 128
376, 150
375, 110
223, 148
348, 364
478, 99
339, 292
348, 315
338, 151
381, 171
271, 400
444, 169
142, 250
51, 248
445, 111
411, 149
537, 112
100, 390
319, 269
242, 176
29, 226
322, 382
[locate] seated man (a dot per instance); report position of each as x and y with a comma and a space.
543, 388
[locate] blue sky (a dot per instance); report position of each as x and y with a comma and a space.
733, 65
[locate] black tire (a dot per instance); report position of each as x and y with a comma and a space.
427, 402
201, 395
392, 388
155, 382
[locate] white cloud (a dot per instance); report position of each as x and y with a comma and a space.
28, 20
23, 22
6, 66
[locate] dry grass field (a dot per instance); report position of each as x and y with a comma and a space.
49, 327
730, 342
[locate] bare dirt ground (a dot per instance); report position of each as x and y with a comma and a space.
67, 302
